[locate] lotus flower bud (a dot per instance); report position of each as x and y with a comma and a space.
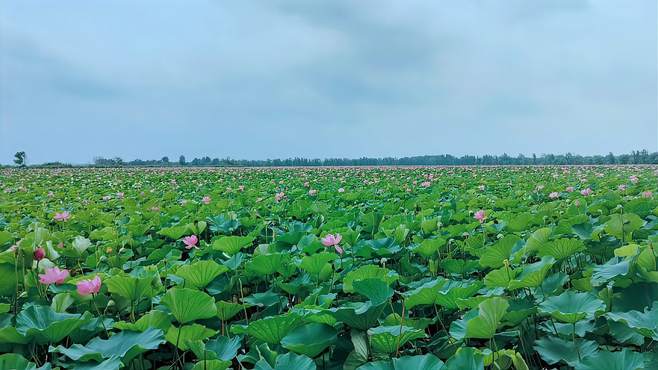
39, 253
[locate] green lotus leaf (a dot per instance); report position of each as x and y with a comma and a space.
561, 248
130, 287
265, 299
454, 290
610, 270
188, 304
519, 222
425, 362
125, 345
604, 360
62, 301
459, 267
273, 328
482, 322
500, 278
211, 365
358, 315
554, 350
8, 281
199, 274
5, 237
226, 310
223, 224
532, 275
316, 263
378, 247
289, 361
231, 244
186, 335
429, 247
8, 333
466, 358
624, 334
377, 365
310, 339
537, 240
425, 294
618, 225
174, 232
219, 348
153, 319
267, 264
570, 307
105, 234
386, 339
368, 272
15, 361
646, 323
627, 250
361, 350
44, 325
495, 255
376, 290
112, 363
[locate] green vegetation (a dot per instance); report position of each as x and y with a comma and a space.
369, 269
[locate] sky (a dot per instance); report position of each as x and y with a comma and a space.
328, 78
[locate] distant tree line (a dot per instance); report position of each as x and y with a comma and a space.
635, 157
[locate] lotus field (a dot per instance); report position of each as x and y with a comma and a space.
329, 268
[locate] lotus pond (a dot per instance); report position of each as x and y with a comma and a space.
329, 268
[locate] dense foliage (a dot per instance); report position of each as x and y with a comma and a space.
635, 157
370, 269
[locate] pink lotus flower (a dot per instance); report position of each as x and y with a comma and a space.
190, 241
554, 195
106, 197
120, 195
481, 187
586, 192
341, 190
647, 194
62, 216
570, 189
54, 276
279, 196
480, 215
634, 179
331, 240
39, 253
241, 187
312, 192
425, 184
87, 287
338, 249
206, 200
622, 187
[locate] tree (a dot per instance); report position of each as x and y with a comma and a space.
20, 158
181, 160
165, 160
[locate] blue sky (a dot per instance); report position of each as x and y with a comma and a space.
327, 78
